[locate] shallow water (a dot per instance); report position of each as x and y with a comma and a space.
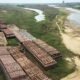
74, 15
40, 16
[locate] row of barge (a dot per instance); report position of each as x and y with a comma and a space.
14, 61
10, 67
17, 66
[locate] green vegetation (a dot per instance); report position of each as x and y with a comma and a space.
13, 42
2, 76
46, 30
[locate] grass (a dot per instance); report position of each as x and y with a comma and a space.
13, 42
60, 70
2, 76
45, 30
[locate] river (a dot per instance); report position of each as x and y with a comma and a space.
40, 16
74, 16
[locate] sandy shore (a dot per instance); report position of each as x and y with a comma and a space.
71, 39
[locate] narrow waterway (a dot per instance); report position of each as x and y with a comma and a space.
40, 16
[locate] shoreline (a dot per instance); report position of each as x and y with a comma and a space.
72, 28
74, 16
71, 39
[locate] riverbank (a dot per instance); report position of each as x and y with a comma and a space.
74, 16
71, 39
71, 36
72, 42
73, 45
